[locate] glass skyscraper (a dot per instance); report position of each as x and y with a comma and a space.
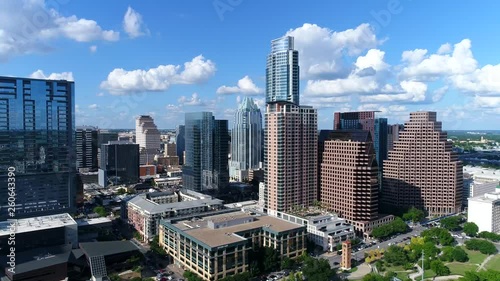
119, 163
37, 139
246, 140
282, 72
180, 142
207, 150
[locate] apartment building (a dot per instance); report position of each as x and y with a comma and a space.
484, 210
217, 246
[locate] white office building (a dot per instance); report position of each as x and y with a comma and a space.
484, 211
325, 230
148, 138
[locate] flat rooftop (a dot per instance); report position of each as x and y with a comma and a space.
107, 248
200, 229
96, 221
490, 197
483, 173
154, 208
37, 223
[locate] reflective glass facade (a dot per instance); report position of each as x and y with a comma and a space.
37, 136
207, 149
282, 72
119, 163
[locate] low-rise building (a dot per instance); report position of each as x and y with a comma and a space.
145, 214
217, 246
168, 182
44, 231
325, 230
484, 210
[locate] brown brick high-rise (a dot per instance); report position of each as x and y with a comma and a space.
422, 170
349, 176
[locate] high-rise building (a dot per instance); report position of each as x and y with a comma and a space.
422, 170
37, 144
148, 138
86, 148
180, 142
282, 72
322, 137
393, 135
349, 175
207, 150
246, 140
119, 163
366, 120
170, 149
103, 137
291, 136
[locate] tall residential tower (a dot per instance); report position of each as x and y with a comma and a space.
291, 138
246, 140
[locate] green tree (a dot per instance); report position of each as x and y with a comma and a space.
317, 269
114, 277
270, 260
439, 268
485, 247
191, 276
395, 255
121, 191
430, 249
451, 223
459, 254
489, 235
447, 254
287, 263
471, 229
101, 211
414, 215
488, 275
374, 277
438, 235
156, 248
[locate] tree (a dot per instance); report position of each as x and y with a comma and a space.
317, 269
395, 255
287, 263
438, 235
483, 246
414, 215
101, 211
191, 276
114, 277
459, 254
471, 229
451, 223
374, 277
121, 191
489, 235
270, 260
430, 249
156, 248
488, 275
439, 268
394, 227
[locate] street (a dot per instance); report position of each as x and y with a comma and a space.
359, 256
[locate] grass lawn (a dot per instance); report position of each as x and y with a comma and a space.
429, 273
393, 268
475, 257
402, 275
354, 269
460, 268
493, 263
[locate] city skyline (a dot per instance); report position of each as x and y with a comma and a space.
352, 58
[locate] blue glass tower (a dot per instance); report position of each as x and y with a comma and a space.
37, 139
207, 150
282, 72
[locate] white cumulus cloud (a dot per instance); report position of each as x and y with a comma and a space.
68, 76
245, 86
121, 81
133, 24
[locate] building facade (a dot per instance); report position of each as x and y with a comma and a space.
290, 159
484, 211
103, 137
119, 163
148, 138
290, 134
145, 211
217, 246
422, 170
180, 142
393, 135
325, 230
86, 148
282, 72
37, 144
207, 151
246, 140
349, 176
366, 120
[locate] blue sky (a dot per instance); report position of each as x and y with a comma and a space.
166, 58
